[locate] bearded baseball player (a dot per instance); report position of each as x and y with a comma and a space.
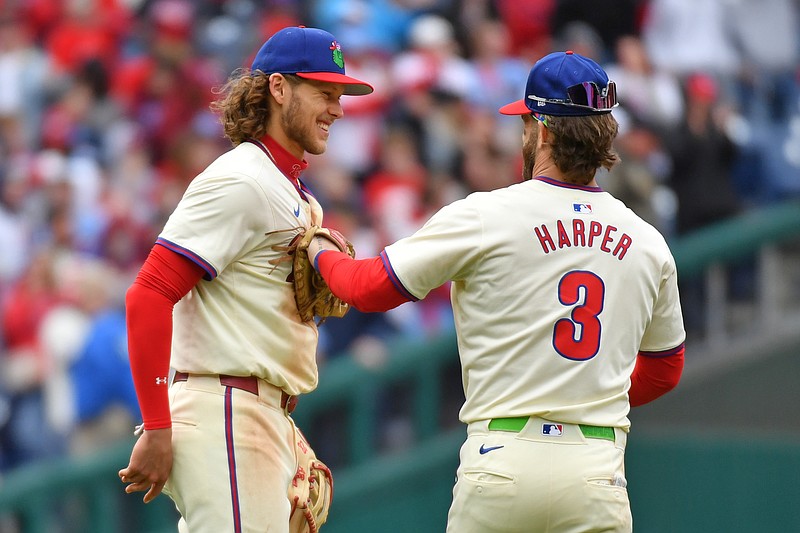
566, 309
215, 301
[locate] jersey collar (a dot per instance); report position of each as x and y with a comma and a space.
289, 165
559, 183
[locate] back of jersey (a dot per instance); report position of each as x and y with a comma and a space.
556, 288
570, 285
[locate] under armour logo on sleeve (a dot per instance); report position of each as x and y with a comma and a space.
161, 381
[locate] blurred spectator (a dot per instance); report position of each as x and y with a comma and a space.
703, 155
86, 30
769, 97
649, 95
14, 232
770, 47
530, 26
432, 81
24, 83
499, 74
101, 393
687, 36
607, 19
167, 87
583, 39
433, 61
27, 434
640, 179
394, 194
485, 163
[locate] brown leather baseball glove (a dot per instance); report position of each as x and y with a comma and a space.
311, 293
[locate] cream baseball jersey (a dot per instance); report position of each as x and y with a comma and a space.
242, 317
556, 288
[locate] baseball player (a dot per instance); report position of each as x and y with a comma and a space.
566, 310
214, 300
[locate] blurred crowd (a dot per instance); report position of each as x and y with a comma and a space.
104, 120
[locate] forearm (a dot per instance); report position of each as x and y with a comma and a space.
163, 280
654, 376
363, 283
149, 322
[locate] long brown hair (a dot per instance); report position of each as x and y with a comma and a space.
243, 106
582, 145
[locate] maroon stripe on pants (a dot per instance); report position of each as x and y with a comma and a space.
237, 517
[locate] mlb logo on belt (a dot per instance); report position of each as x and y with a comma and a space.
552, 430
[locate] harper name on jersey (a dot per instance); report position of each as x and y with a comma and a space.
575, 232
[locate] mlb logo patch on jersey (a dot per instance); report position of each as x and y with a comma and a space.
552, 430
582, 208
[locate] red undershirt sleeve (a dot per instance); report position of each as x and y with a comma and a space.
163, 280
655, 376
363, 283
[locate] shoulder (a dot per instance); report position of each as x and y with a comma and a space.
244, 165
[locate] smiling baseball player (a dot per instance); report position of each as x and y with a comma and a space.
218, 438
566, 309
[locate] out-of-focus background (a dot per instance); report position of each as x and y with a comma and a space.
104, 120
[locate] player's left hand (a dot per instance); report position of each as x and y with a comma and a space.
150, 463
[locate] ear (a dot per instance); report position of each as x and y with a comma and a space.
543, 133
278, 87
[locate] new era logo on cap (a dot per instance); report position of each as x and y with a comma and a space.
310, 53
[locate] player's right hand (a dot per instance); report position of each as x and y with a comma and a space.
150, 463
328, 239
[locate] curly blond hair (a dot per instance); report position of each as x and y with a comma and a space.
581, 145
243, 106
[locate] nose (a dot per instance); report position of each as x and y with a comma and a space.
336, 110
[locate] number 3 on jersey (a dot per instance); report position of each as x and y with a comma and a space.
578, 337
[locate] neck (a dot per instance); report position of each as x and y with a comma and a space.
285, 160
279, 136
545, 167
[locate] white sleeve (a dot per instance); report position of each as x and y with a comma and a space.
217, 218
666, 329
445, 249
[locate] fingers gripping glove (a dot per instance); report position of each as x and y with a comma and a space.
311, 293
311, 490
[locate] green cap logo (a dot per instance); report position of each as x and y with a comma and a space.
338, 57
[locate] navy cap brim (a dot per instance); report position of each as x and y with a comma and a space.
353, 86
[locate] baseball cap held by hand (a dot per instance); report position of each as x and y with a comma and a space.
565, 84
310, 53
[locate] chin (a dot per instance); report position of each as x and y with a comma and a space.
317, 148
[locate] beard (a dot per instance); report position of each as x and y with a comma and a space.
296, 126
529, 155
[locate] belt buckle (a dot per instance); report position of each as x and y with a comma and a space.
288, 403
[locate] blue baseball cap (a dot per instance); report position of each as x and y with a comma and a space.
565, 84
310, 53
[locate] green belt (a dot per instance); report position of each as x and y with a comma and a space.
516, 424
